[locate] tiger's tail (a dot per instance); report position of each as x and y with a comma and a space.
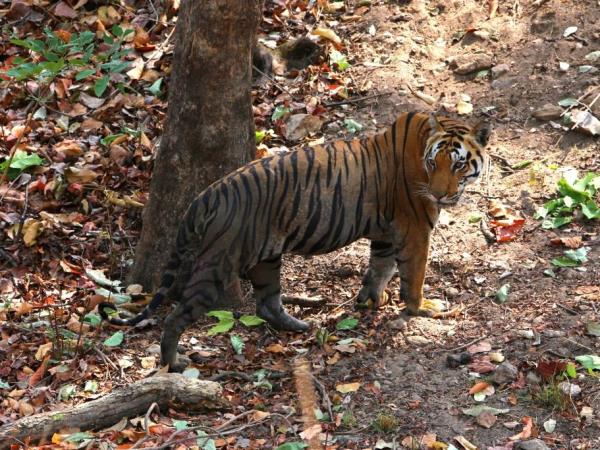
167, 280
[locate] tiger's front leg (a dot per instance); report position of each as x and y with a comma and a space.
382, 264
412, 264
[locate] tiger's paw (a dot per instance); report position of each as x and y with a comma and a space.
435, 309
367, 302
180, 364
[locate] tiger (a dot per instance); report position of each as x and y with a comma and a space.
389, 188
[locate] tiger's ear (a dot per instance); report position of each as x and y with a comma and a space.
434, 124
482, 132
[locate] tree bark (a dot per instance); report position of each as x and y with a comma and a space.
209, 130
167, 390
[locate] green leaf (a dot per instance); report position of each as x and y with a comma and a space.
154, 88
117, 30
222, 327
353, 126
204, 442
4, 384
522, 164
259, 136
571, 370
566, 189
279, 112
579, 255
339, 59
79, 437
90, 386
349, 323
92, 319
589, 362
251, 321
22, 160
115, 340
221, 315
237, 343
100, 85
292, 446
180, 424
67, 391
549, 273
474, 218
84, 74
566, 102
107, 140
563, 261
502, 294
556, 222
590, 210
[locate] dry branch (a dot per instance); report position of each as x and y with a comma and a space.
167, 390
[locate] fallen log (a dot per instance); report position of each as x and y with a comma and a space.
167, 390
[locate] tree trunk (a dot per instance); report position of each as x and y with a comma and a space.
209, 130
169, 390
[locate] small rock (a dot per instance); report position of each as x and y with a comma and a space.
547, 112
585, 122
496, 357
458, 359
554, 333
505, 373
452, 292
466, 64
500, 70
532, 378
486, 419
398, 324
533, 444
301, 125
569, 388
153, 349
563, 66
418, 340
504, 83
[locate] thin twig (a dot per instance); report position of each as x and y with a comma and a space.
355, 99
303, 301
325, 396
273, 80
468, 344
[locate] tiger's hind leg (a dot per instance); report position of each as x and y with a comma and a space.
382, 265
265, 279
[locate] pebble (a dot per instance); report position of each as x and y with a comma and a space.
466, 64
452, 292
504, 83
417, 340
398, 324
153, 349
500, 70
301, 125
547, 112
569, 388
505, 373
533, 444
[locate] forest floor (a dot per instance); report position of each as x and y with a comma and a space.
526, 342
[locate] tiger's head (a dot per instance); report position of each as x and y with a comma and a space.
453, 158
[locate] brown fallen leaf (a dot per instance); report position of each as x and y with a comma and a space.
328, 34
481, 347
527, 429
465, 443
486, 419
275, 348
64, 10
31, 230
569, 242
482, 365
82, 176
347, 387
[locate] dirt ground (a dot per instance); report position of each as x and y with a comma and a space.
409, 396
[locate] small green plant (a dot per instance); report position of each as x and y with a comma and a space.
385, 423
573, 194
322, 336
551, 396
227, 321
348, 419
61, 52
